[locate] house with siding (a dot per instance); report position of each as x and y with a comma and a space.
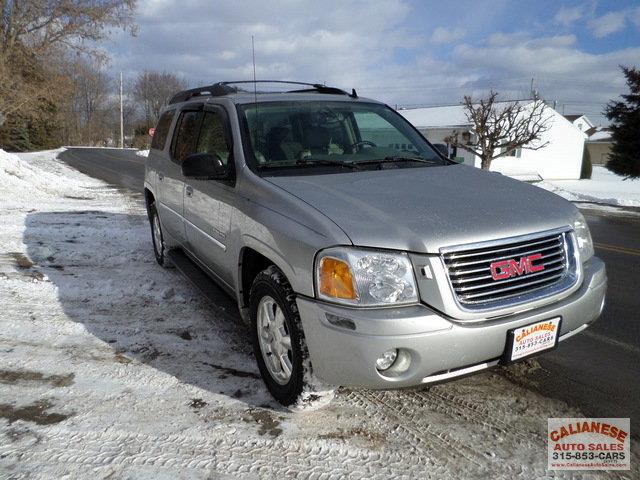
561, 159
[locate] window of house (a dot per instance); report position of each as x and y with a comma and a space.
186, 135
211, 138
162, 130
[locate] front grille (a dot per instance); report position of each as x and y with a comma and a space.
469, 271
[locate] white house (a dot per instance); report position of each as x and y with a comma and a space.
560, 159
581, 122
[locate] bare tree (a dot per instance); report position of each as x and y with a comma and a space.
34, 31
87, 105
499, 128
43, 24
21, 86
153, 90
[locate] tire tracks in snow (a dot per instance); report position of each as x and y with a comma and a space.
240, 456
424, 436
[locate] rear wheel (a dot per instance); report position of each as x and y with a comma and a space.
278, 341
156, 235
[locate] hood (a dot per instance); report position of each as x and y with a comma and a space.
426, 208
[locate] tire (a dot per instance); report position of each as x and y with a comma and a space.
157, 238
271, 292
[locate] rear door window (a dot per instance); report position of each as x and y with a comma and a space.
162, 130
212, 139
187, 132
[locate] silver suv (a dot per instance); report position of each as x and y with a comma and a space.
357, 253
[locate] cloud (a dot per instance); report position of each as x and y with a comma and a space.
559, 69
635, 17
390, 50
607, 24
568, 15
447, 35
317, 41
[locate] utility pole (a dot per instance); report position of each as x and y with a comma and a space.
121, 116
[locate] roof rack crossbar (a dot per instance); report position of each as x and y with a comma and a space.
226, 88
315, 87
215, 90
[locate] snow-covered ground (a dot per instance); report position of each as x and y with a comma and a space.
113, 367
604, 187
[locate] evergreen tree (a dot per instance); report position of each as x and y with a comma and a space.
625, 127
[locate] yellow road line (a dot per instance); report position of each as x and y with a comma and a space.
618, 249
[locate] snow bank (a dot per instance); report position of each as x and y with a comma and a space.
26, 177
23, 179
604, 187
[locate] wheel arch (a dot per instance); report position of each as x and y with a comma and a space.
149, 197
255, 257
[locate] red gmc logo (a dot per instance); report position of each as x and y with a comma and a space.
510, 268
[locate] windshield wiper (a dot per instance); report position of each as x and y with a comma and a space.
399, 158
311, 162
325, 161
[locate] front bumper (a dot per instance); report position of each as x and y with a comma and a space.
344, 351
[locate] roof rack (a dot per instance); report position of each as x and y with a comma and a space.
225, 88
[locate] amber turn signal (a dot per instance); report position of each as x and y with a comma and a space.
335, 279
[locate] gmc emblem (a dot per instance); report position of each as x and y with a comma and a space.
510, 268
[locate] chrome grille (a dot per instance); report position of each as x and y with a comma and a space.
469, 272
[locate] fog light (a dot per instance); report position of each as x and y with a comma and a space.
386, 359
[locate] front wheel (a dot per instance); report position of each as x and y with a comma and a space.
278, 341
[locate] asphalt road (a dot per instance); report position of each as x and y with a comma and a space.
597, 370
121, 168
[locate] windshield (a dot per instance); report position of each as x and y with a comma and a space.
330, 137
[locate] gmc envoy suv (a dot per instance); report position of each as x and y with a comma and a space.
357, 253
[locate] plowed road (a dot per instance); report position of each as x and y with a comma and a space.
597, 371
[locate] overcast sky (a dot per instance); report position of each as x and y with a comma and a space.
398, 51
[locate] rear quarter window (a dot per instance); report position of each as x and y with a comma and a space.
187, 132
162, 130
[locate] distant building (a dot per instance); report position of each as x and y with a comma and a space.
581, 122
599, 145
598, 139
560, 159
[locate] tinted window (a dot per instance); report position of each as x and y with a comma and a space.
162, 130
211, 138
186, 136
294, 135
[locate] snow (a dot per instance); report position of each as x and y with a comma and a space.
447, 116
142, 153
442, 116
601, 136
604, 187
113, 367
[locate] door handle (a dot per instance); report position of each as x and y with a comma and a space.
160, 176
189, 191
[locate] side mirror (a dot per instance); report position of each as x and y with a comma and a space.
204, 166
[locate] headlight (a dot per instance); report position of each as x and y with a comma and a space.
365, 277
583, 237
